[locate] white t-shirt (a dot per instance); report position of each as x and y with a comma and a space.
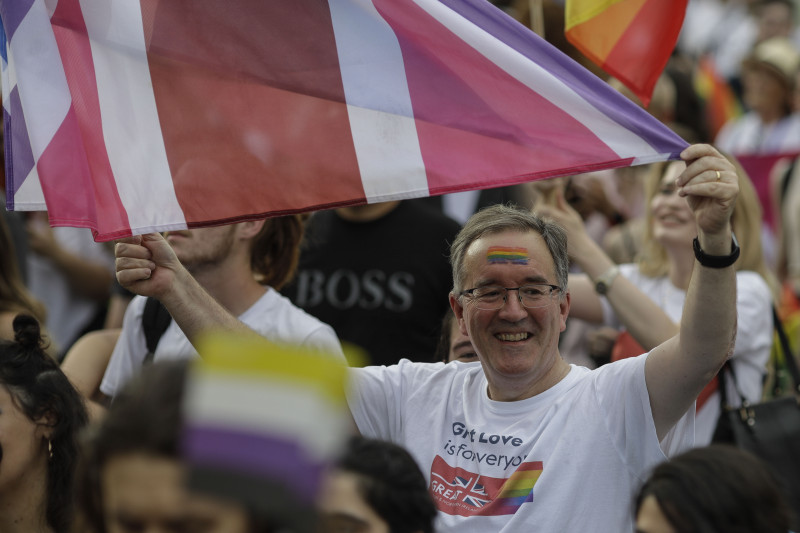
273, 316
753, 337
568, 459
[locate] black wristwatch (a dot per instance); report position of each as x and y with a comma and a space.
717, 261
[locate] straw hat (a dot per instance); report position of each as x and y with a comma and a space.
778, 56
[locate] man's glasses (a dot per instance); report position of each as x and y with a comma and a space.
531, 295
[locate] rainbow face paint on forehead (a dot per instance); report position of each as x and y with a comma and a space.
507, 254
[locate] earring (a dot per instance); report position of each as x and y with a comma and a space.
50, 448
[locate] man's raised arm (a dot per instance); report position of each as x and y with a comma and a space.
147, 265
677, 370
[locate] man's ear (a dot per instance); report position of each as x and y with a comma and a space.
458, 310
563, 304
250, 228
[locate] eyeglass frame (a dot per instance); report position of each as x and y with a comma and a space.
473, 298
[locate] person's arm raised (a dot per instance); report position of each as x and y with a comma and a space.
147, 265
642, 317
677, 370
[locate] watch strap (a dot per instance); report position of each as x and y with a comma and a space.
604, 280
717, 261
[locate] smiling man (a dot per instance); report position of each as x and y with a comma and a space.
525, 441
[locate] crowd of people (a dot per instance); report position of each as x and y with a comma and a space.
509, 351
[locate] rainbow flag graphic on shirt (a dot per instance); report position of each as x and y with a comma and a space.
630, 39
518, 489
457, 491
507, 254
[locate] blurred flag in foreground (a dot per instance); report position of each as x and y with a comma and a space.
261, 423
630, 39
143, 115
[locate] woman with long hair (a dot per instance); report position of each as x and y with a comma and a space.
41, 415
646, 298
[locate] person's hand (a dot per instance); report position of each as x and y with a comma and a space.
543, 192
146, 264
568, 218
710, 185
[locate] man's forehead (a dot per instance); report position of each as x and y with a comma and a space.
515, 248
521, 242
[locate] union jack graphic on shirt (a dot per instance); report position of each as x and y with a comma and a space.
459, 492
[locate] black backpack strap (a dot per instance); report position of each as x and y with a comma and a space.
155, 321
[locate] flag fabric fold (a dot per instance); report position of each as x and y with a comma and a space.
630, 39
147, 115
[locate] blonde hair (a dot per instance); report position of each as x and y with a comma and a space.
746, 222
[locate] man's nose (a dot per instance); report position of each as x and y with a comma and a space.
513, 309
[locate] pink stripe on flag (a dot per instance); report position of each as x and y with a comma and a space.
70, 207
217, 78
496, 141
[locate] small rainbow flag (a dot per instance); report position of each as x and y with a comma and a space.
506, 254
630, 39
721, 102
262, 422
518, 489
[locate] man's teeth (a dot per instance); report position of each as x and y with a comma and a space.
512, 336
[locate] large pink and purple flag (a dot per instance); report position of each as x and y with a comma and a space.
131, 116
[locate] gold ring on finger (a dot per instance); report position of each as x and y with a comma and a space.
719, 176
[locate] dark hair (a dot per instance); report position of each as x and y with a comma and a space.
391, 483
276, 250
499, 218
40, 389
717, 489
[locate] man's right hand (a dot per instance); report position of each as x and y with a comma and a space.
147, 265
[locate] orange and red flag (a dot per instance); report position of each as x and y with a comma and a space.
630, 39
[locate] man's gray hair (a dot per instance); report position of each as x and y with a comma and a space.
500, 218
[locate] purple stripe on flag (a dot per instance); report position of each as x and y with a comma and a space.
21, 154
12, 13
609, 101
9, 168
257, 454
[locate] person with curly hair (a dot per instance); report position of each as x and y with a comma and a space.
41, 416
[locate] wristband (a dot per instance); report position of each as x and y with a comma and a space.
717, 261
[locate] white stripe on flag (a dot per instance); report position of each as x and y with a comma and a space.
621, 140
9, 78
243, 403
131, 128
43, 89
29, 196
378, 103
